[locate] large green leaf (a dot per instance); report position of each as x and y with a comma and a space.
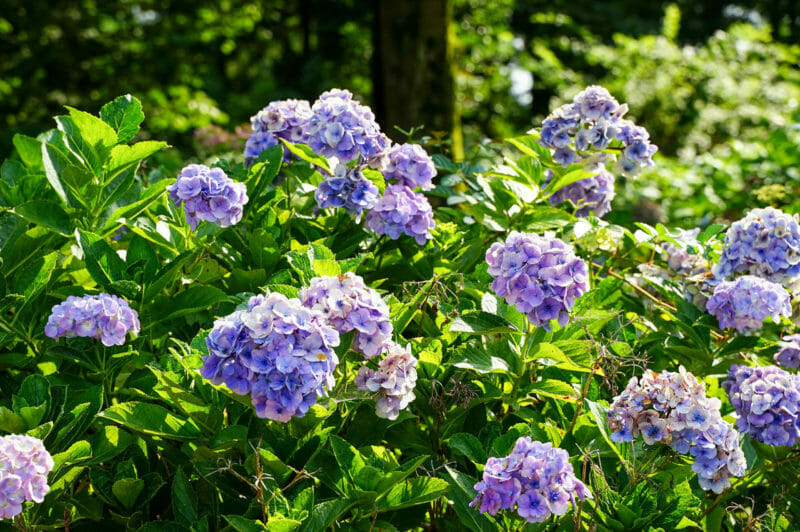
193, 299
419, 490
29, 150
325, 513
153, 419
480, 322
124, 115
184, 499
469, 446
102, 262
47, 214
480, 361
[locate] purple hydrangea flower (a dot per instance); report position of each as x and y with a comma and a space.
24, 466
402, 211
744, 303
536, 478
672, 408
590, 195
765, 243
347, 304
208, 194
541, 277
282, 119
410, 165
393, 382
103, 317
349, 189
767, 400
679, 257
278, 351
342, 127
789, 354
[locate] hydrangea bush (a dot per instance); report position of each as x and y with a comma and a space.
24, 466
103, 317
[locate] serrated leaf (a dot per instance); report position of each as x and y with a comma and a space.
469, 446
102, 262
480, 361
123, 114
184, 499
480, 322
242, 524
127, 490
552, 388
419, 490
152, 419
47, 214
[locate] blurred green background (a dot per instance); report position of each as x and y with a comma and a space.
716, 83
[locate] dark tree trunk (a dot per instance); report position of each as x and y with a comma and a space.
412, 68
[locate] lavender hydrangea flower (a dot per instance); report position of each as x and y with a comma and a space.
103, 317
767, 400
347, 188
672, 408
278, 351
590, 195
410, 165
393, 382
789, 354
765, 243
541, 277
342, 127
348, 304
24, 466
208, 194
679, 257
744, 303
402, 211
282, 119
536, 478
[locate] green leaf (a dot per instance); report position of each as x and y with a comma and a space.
480, 361
124, 115
242, 524
127, 490
124, 157
35, 275
469, 446
419, 490
102, 262
325, 513
78, 452
47, 214
599, 414
35, 390
55, 161
11, 422
263, 172
154, 420
347, 456
87, 136
282, 524
463, 493
480, 322
29, 150
184, 499
168, 274
546, 350
567, 179
194, 299
552, 388
709, 232
108, 443
306, 154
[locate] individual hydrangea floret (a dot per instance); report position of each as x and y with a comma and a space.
347, 304
208, 194
590, 195
744, 303
767, 400
342, 127
765, 243
536, 479
349, 189
672, 408
788, 355
278, 351
24, 466
591, 123
402, 211
103, 317
393, 382
680, 258
541, 277
410, 165
282, 119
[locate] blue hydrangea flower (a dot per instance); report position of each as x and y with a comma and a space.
744, 303
536, 478
685, 257
672, 408
348, 304
349, 189
402, 211
282, 119
103, 317
410, 165
765, 243
590, 195
767, 400
278, 351
392, 383
788, 355
24, 466
208, 194
541, 277
342, 127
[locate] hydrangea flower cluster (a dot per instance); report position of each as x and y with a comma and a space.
591, 122
541, 277
744, 303
765, 243
767, 400
103, 317
278, 351
282, 119
402, 211
590, 195
410, 165
342, 127
536, 478
679, 259
672, 408
393, 382
24, 466
348, 304
347, 188
208, 194
788, 355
